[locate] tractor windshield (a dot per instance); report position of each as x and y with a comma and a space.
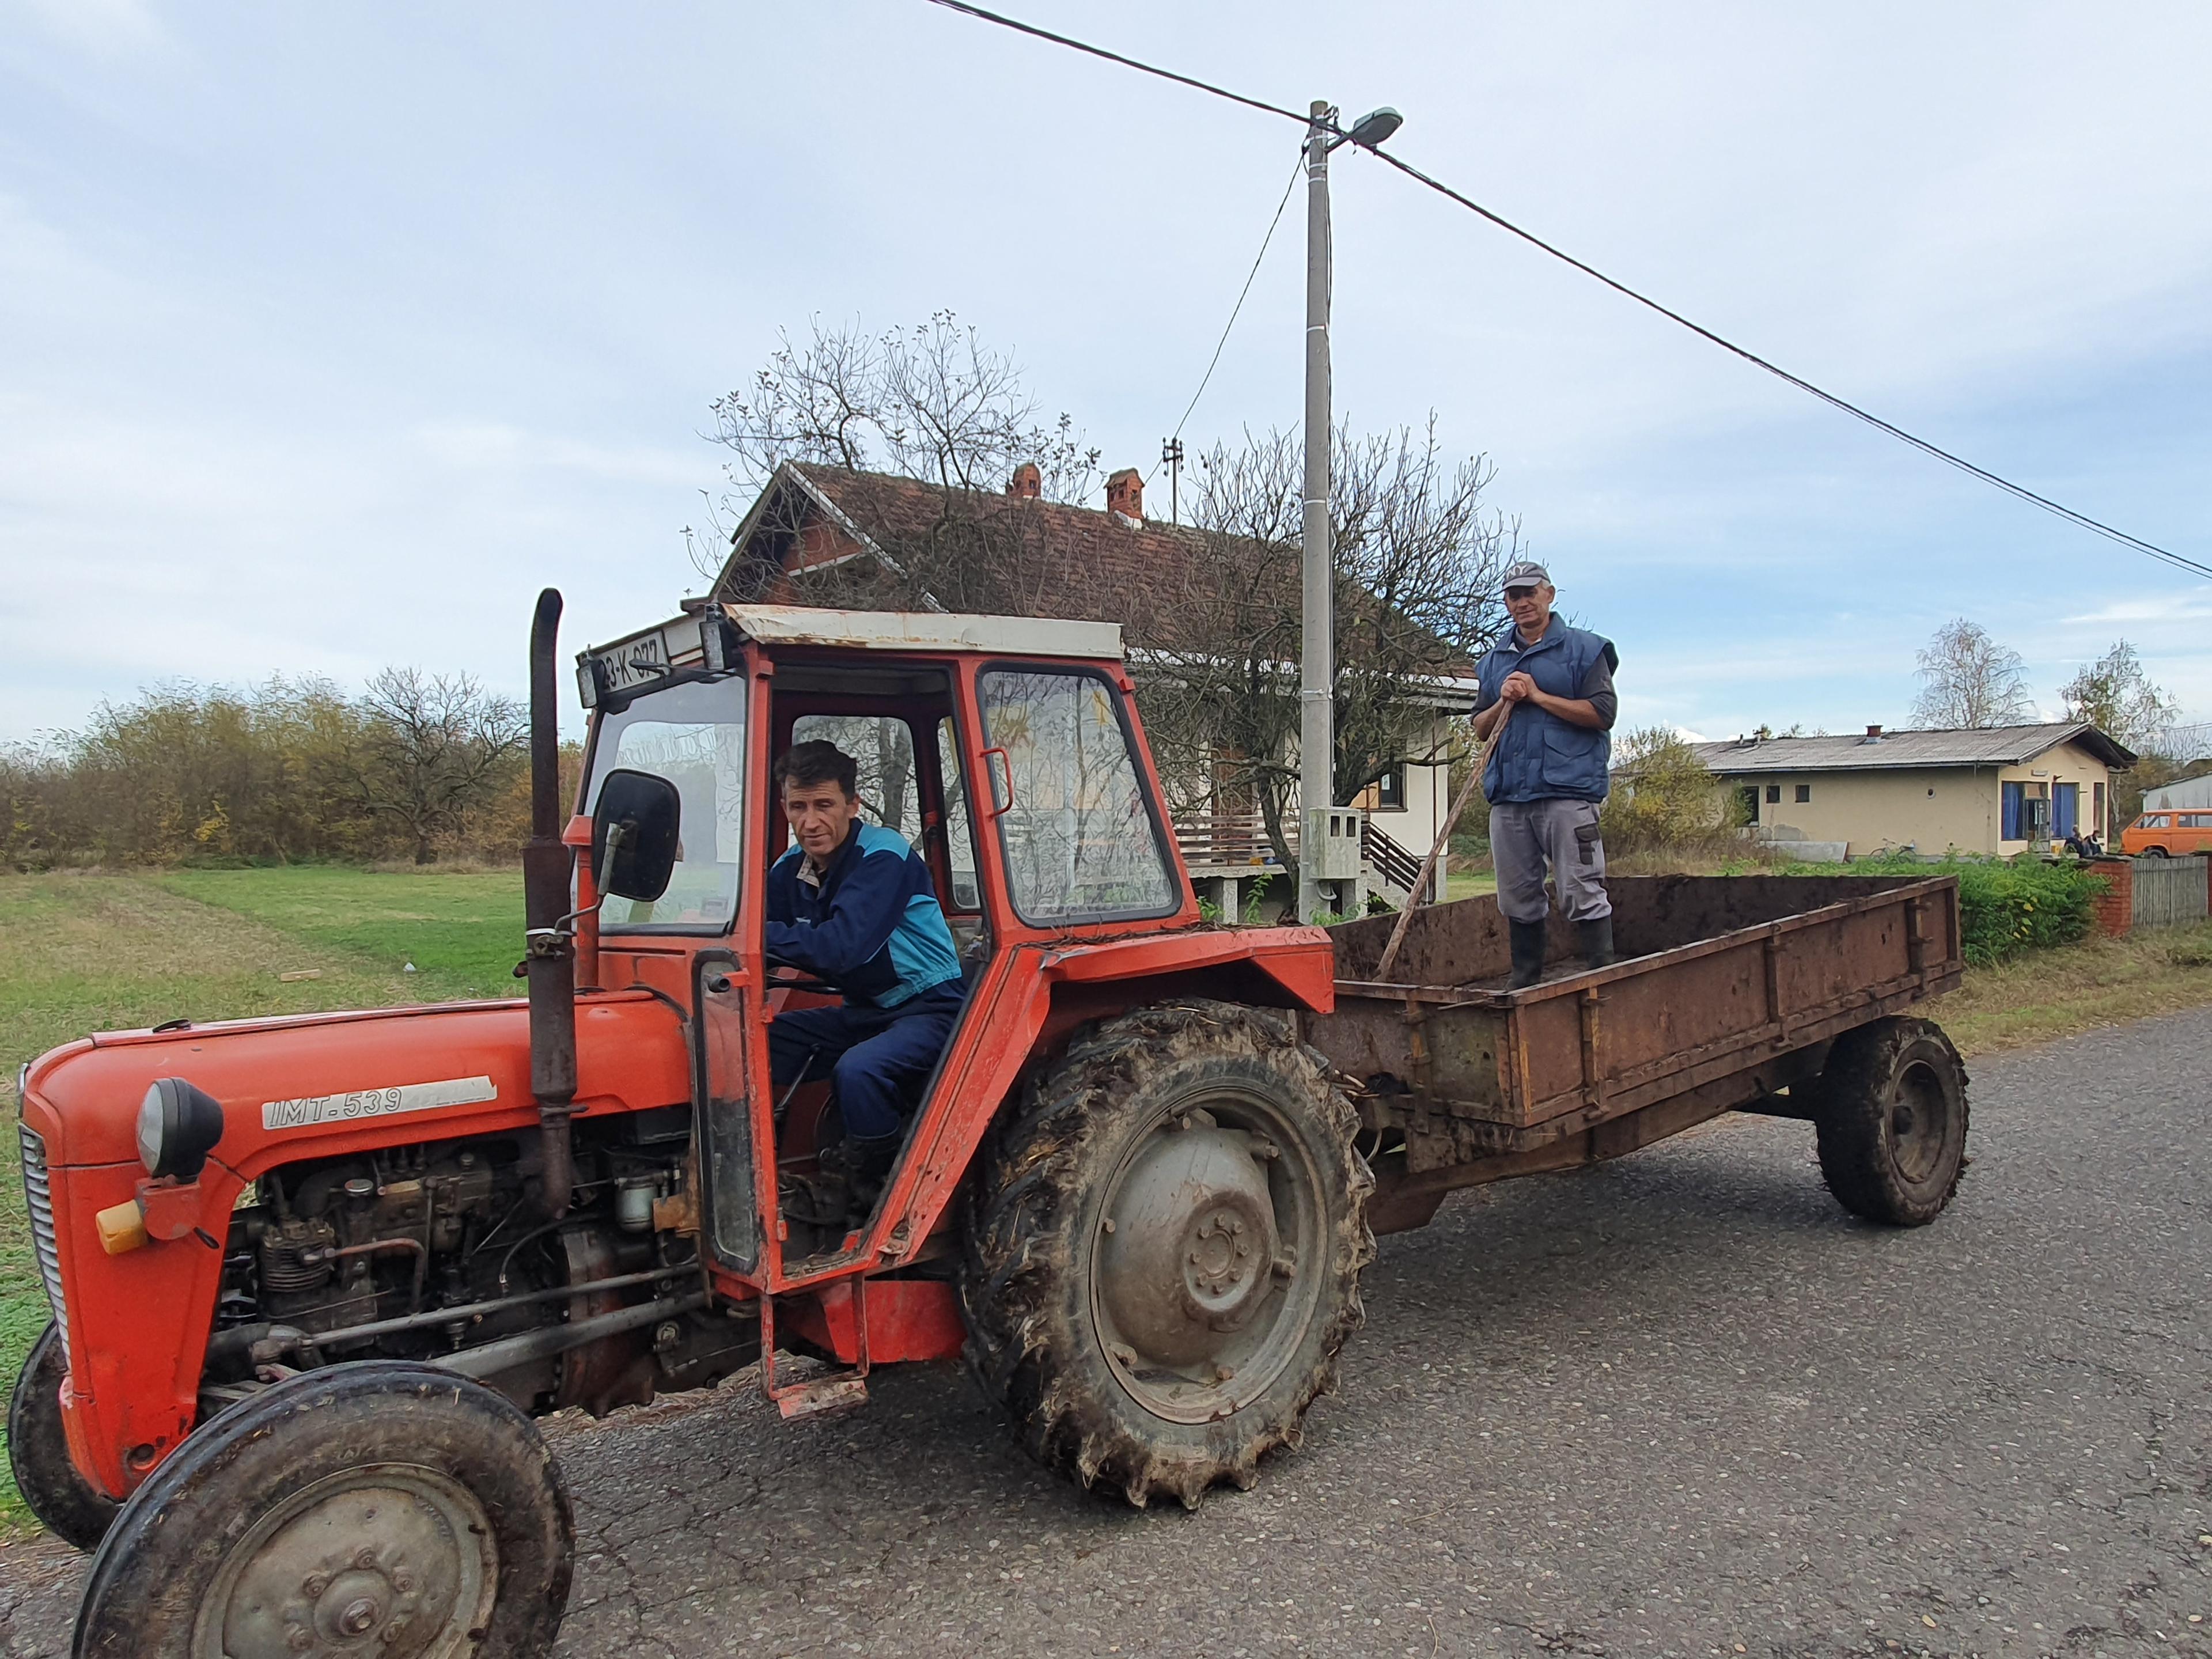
1079, 835
694, 736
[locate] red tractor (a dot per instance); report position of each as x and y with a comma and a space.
311, 1277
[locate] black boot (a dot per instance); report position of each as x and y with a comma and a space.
863, 1161
1595, 939
1527, 938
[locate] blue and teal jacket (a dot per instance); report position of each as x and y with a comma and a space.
872, 927
1542, 757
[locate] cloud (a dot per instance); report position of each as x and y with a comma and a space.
2151, 610
333, 332
493, 448
104, 27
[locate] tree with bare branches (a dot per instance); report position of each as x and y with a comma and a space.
1968, 679
932, 402
1417, 559
435, 751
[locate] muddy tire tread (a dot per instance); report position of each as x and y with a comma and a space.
65, 1502
1850, 1105
174, 1529
1018, 1241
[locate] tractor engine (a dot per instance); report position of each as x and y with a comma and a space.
424, 1250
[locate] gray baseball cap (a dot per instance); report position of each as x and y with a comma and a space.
1527, 574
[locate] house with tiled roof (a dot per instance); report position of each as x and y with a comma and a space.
820, 533
1994, 789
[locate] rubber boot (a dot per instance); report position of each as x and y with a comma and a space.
1528, 938
863, 1161
1595, 939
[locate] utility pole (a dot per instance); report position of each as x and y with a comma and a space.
1171, 455
1316, 662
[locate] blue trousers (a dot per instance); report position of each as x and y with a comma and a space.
876, 1059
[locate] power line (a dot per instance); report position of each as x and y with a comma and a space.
1238, 307
2080, 520
1020, 28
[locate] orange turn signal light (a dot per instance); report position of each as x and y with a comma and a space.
122, 1227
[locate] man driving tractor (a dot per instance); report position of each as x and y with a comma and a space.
853, 904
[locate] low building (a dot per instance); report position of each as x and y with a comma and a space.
2187, 795
1998, 789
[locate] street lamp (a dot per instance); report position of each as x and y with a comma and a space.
1316, 665
1374, 128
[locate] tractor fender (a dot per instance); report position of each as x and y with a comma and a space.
1029, 998
295, 1088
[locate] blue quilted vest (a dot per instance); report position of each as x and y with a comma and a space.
1542, 757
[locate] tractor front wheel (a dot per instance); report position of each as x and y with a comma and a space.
382, 1507
66, 1504
1164, 1249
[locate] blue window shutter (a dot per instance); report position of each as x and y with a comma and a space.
2010, 829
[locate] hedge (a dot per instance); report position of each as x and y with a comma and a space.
2005, 906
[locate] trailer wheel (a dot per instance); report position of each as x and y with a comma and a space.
383, 1507
66, 1504
1164, 1249
1890, 1110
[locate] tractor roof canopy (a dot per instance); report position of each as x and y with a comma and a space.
703, 640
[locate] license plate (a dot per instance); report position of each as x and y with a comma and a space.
635, 663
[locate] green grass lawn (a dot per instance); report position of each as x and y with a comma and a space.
85, 951
463, 928
1468, 886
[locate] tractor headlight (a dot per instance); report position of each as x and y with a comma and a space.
178, 1128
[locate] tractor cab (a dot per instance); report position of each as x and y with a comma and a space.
1005, 751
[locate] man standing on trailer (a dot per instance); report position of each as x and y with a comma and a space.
851, 903
1552, 685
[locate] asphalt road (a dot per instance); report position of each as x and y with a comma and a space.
1679, 1405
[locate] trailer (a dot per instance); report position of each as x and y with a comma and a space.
1781, 994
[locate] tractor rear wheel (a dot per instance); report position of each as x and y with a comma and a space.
1162, 1252
1890, 1108
382, 1507
67, 1505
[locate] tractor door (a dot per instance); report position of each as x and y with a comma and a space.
696, 735
897, 719
727, 1168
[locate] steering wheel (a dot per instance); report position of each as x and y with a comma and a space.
798, 980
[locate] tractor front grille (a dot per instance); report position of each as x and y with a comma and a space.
38, 1198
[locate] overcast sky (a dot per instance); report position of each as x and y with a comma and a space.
330, 333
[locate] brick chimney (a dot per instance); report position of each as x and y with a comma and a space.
1874, 735
1125, 496
1026, 483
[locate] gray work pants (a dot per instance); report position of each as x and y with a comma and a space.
1527, 836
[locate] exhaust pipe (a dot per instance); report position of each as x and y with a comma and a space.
551, 961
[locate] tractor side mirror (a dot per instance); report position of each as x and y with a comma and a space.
633, 836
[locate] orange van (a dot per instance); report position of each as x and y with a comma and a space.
2169, 835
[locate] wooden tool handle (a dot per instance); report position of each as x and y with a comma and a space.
1443, 840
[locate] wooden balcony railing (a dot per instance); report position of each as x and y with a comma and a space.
1217, 840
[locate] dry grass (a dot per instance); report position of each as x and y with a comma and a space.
2061, 993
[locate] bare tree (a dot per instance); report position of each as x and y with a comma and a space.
1967, 678
1416, 566
435, 751
2116, 695
932, 402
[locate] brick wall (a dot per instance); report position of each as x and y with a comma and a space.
2116, 909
